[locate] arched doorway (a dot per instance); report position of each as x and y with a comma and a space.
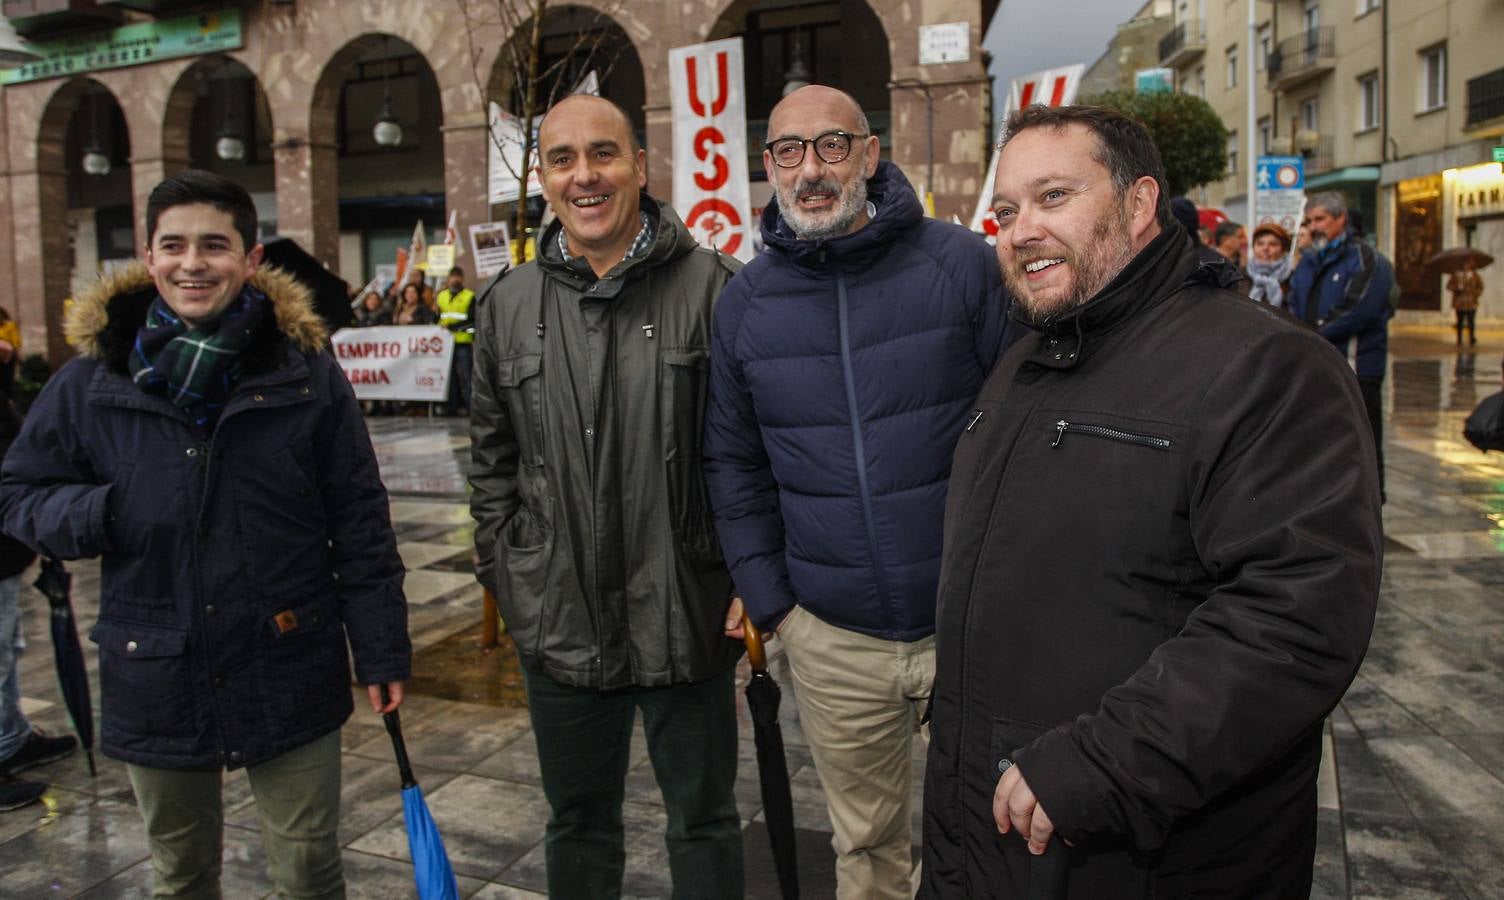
576, 44
840, 43
380, 182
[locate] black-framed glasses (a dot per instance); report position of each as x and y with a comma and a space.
832, 147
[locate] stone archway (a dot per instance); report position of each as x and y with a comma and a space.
215, 96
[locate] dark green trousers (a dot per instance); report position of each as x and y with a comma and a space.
584, 739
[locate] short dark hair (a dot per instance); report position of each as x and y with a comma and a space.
198, 186
1124, 147
457, 270
1225, 229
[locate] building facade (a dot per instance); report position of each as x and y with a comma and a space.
1396, 105
157, 86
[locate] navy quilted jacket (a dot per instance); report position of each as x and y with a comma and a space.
842, 372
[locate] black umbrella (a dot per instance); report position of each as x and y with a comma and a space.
772, 768
55, 582
1455, 259
331, 296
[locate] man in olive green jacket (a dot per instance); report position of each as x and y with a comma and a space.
594, 528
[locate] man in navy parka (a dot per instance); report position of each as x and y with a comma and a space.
844, 362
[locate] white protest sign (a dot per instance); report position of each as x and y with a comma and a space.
504, 158
711, 188
492, 243
396, 362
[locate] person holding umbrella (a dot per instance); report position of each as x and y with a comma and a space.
211, 452
1466, 287
22, 745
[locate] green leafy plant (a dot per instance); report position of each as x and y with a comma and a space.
1190, 136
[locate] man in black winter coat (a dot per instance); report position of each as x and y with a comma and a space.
1162, 554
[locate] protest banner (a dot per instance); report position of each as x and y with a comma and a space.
709, 104
1049, 87
492, 243
396, 362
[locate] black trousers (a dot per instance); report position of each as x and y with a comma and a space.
1467, 317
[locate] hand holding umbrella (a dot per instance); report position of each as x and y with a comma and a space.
772, 767
431, 869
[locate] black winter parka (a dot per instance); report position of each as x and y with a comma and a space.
232, 567
1162, 555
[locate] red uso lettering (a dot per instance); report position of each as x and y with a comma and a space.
705, 138
712, 209
425, 346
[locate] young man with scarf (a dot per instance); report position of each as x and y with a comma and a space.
209, 450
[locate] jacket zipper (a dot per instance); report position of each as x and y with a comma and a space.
849, 371
971, 422
1127, 437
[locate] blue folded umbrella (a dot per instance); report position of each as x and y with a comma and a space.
431, 869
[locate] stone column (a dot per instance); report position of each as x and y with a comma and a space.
43, 263
146, 174
308, 197
466, 149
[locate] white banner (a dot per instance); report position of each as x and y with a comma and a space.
1050, 87
504, 157
396, 362
493, 248
710, 144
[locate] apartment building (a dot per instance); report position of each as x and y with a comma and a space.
1411, 152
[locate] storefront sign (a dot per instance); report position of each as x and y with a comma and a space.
711, 189
397, 362
130, 45
1477, 191
1154, 81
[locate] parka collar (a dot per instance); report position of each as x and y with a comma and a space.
671, 240
103, 320
1158, 270
898, 210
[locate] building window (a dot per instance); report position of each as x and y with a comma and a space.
1310, 115
1198, 85
1311, 17
1367, 6
1433, 78
1232, 66
1368, 101
1232, 153
1266, 134
1266, 45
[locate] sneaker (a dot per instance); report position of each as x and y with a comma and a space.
39, 749
15, 793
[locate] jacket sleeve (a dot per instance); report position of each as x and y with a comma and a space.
1286, 523
1365, 299
50, 498
743, 492
993, 326
493, 446
363, 547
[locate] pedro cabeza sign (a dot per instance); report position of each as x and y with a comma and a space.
711, 189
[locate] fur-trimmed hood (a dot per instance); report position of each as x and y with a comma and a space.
103, 320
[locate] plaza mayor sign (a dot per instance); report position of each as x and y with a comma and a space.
130, 45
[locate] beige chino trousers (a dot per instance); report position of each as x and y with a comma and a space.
860, 699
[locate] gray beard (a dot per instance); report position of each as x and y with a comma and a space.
852, 201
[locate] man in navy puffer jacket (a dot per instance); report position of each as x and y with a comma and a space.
844, 362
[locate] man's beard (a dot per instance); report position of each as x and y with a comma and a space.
1107, 253
850, 202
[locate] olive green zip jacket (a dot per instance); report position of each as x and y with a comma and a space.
594, 528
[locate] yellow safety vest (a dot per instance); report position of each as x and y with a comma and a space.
454, 310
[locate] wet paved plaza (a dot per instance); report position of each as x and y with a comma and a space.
1412, 786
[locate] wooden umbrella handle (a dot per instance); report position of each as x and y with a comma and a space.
756, 657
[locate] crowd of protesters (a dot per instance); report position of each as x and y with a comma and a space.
1073, 506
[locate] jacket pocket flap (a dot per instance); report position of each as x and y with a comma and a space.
138, 640
687, 356
514, 370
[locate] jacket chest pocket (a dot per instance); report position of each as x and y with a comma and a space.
682, 401
520, 379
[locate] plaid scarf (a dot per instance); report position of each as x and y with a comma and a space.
195, 367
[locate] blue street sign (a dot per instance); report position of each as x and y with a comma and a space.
1281, 173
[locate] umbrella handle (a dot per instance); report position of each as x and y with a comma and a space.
756, 656
393, 722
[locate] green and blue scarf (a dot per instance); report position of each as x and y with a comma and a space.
195, 367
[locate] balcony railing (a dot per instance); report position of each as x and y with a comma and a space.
1320, 157
1185, 41
1303, 56
1485, 97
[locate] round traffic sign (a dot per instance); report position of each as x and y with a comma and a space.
1287, 175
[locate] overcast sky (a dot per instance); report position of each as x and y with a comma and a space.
1029, 35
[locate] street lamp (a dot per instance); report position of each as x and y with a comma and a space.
95, 161
387, 131
13, 50
230, 146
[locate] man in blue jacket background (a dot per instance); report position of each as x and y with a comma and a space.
844, 362
1342, 289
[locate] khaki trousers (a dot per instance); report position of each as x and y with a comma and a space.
297, 800
860, 699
